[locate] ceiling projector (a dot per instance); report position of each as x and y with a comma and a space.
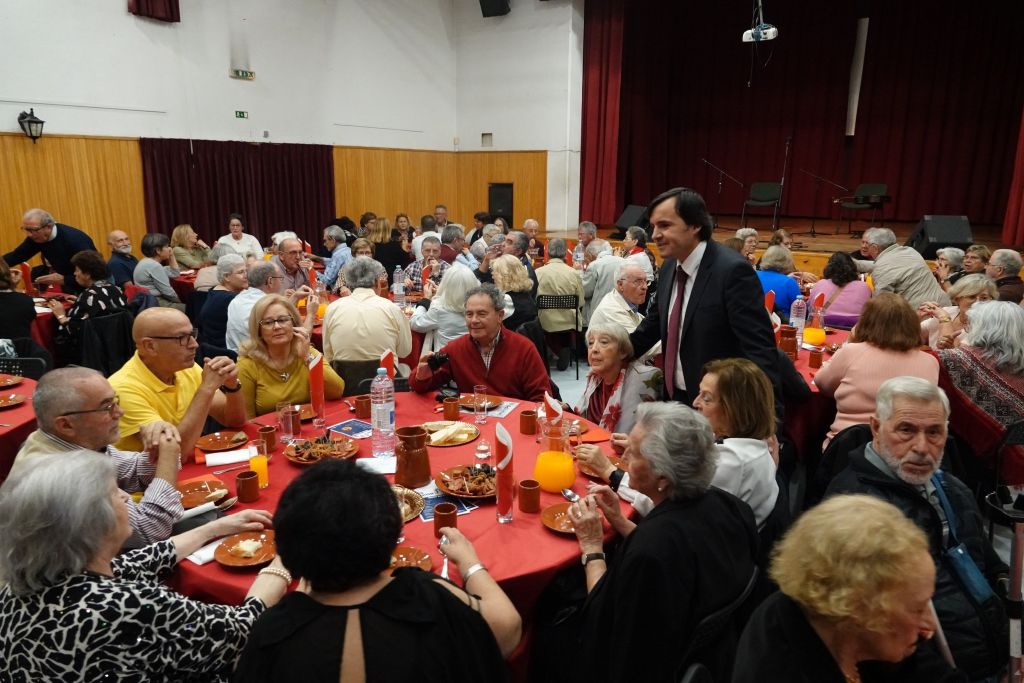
760, 32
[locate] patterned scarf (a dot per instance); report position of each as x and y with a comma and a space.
999, 394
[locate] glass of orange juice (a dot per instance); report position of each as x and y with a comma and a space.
554, 471
258, 461
320, 310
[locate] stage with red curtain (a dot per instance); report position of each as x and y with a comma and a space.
669, 84
274, 186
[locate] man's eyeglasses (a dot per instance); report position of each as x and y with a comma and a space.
283, 321
108, 407
181, 338
276, 277
33, 231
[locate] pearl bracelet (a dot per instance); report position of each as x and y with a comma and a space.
281, 573
478, 567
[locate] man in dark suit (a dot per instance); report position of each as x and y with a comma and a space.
57, 243
709, 302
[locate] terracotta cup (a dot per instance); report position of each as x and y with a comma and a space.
444, 515
529, 495
814, 360
269, 435
451, 409
247, 486
528, 422
363, 407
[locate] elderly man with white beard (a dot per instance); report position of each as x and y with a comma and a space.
901, 465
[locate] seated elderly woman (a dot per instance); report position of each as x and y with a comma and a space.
949, 262
975, 259
988, 364
615, 384
884, 344
213, 316
511, 277
441, 313
776, 266
845, 294
692, 555
273, 363
189, 250
942, 325
207, 277
73, 609
156, 268
750, 240
737, 399
353, 619
99, 297
362, 247
855, 582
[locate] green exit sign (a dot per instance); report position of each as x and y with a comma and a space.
241, 114
243, 74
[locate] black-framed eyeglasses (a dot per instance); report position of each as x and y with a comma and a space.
108, 406
283, 321
276, 277
181, 338
33, 231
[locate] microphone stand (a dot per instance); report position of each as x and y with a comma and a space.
818, 180
718, 202
782, 185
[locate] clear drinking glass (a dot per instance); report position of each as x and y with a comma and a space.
480, 404
288, 416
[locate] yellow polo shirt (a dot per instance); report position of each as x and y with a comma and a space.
145, 398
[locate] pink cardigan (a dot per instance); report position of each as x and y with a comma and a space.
856, 372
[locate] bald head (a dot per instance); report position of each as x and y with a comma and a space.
158, 321
119, 241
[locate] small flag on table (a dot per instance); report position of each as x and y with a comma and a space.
387, 361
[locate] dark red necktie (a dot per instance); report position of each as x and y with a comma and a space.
670, 352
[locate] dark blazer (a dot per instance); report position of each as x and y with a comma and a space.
725, 317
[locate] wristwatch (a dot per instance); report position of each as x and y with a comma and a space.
231, 390
590, 557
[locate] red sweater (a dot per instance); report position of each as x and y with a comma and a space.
516, 369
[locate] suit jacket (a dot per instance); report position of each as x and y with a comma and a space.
725, 317
557, 277
598, 280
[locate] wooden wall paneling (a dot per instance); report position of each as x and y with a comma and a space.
92, 183
528, 171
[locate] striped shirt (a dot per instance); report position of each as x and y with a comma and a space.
152, 517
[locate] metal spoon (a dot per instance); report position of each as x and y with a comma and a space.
444, 565
570, 495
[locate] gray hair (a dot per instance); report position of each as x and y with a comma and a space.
58, 393
492, 292
520, 240
623, 271
44, 217
496, 238
597, 246
527, 222
220, 250
1007, 259
588, 227
914, 388
638, 234
362, 271
557, 248
430, 239
778, 258
972, 285
260, 273
451, 233
226, 264
278, 237
451, 293
952, 254
996, 328
490, 230
744, 233
55, 516
679, 445
618, 334
880, 237
335, 233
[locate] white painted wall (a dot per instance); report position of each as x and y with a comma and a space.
519, 77
379, 73
347, 72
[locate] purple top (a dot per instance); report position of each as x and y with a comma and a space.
846, 307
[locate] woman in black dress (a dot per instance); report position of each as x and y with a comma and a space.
16, 309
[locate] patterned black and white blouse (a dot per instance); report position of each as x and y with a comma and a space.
91, 627
99, 299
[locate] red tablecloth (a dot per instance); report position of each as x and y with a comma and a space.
184, 286
22, 420
807, 423
522, 556
42, 330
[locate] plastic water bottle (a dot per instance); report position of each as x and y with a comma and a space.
797, 318
399, 287
382, 415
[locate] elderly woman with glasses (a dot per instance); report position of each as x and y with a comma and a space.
692, 555
73, 609
941, 325
213, 316
273, 362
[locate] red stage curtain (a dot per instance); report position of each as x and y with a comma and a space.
600, 191
941, 96
1013, 224
275, 187
163, 10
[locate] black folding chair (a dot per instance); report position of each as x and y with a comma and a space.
564, 302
